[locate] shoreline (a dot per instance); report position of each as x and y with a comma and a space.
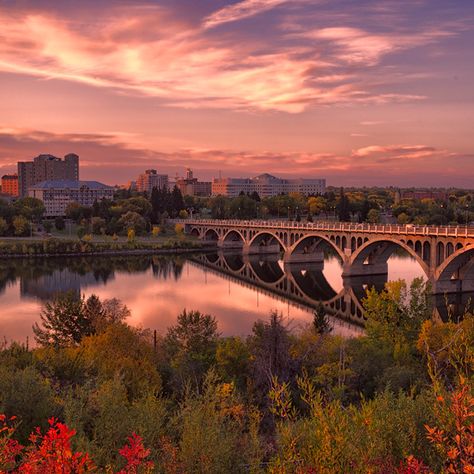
91, 249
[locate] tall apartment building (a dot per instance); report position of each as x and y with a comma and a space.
58, 194
267, 185
46, 168
10, 184
151, 179
191, 186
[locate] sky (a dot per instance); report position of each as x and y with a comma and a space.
360, 92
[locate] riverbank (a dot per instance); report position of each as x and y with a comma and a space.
53, 247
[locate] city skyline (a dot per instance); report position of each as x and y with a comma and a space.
359, 93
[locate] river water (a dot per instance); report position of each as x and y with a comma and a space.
156, 289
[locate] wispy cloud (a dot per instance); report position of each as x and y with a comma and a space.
397, 164
240, 10
149, 52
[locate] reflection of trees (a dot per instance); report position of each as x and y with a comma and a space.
38, 275
167, 267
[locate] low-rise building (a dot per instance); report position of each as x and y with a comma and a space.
57, 195
10, 184
267, 185
151, 179
191, 186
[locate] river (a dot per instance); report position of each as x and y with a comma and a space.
157, 289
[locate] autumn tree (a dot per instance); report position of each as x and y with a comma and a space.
191, 345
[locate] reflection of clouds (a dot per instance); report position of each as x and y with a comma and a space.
17, 315
156, 301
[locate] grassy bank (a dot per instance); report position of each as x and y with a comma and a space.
61, 247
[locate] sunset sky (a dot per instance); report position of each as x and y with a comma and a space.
360, 92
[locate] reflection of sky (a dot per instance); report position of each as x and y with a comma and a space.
155, 302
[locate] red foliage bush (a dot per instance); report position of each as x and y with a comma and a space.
52, 452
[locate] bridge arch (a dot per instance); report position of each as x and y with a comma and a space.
380, 250
460, 260
195, 232
310, 242
211, 234
267, 271
265, 239
234, 262
233, 235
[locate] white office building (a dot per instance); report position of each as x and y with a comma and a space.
267, 185
57, 195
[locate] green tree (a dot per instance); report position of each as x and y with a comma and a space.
373, 216
63, 321
98, 225
132, 220
191, 345
59, 223
21, 226
3, 226
30, 208
26, 394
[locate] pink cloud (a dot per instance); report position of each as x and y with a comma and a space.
389, 164
240, 10
145, 51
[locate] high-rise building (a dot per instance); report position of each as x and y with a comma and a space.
46, 168
151, 179
267, 185
10, 184
57, 195
191, 186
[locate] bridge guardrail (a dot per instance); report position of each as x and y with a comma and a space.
436, 231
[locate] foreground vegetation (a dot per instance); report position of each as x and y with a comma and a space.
399, 399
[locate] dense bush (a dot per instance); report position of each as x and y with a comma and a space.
397, 400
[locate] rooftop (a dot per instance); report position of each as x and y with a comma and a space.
69, 184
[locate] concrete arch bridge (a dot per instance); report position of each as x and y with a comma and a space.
446, 254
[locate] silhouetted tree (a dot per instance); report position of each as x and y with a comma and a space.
343, 207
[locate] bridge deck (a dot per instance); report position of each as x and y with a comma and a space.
425, 230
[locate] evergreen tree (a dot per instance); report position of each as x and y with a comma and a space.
320, 320
176, 202
343, 207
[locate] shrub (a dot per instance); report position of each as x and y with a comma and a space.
179, 229
59, 223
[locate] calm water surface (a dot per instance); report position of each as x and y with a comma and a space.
157, 289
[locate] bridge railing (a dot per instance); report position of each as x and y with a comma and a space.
408, 229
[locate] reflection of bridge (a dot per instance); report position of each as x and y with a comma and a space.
304, 288
444, 253
307, 288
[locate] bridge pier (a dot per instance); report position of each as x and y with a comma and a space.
308, 266
298, 258
260, 249
452, 286
230, 244
354, 270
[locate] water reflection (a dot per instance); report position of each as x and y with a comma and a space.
237, 290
